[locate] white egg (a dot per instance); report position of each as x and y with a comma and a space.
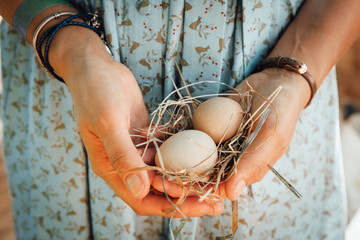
190, 150
219, 117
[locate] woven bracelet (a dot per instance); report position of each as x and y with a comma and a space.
50, 33
45, 22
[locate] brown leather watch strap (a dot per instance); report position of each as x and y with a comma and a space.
293, 65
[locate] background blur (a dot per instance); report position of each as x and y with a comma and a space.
348, 70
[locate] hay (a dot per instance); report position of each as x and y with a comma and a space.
173, 116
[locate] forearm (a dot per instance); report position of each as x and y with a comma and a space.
320, 34
72, 47
43, 15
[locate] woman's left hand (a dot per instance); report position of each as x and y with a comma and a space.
275, 135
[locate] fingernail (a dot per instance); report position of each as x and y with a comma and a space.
134, 184
239, 188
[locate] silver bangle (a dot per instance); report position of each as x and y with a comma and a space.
47, 20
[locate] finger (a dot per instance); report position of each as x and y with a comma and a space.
98, 157
273, 138
149, 156
270, 143
171, 188
157, 205
279, 122
124, 156
252, 167
191, 207
175, 191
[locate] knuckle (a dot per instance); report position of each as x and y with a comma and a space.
117, 160
258, 169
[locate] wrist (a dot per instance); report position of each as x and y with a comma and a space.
43, 15
293, 84
292, 65
74, 49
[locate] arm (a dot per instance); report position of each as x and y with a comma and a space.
318, 36
107, 105
9, 7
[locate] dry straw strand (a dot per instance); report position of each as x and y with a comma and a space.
172, 116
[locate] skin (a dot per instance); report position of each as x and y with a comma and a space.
316, 37
105, 124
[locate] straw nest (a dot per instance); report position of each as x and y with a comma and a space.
173, 116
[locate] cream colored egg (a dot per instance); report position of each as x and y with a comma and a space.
219, 117
190, 150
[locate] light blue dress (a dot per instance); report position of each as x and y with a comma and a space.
55, 194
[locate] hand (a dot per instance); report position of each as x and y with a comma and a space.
176, 191
107, 105
162, 185
276, 133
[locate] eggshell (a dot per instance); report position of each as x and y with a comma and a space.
219, 117
190, 150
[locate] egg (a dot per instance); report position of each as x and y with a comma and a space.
190, 150
219, 117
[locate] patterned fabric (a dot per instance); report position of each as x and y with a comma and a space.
56, 195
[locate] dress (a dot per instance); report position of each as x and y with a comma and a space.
56, 195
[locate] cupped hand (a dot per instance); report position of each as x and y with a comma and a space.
107, 105
195, 190
176, 189
275, 135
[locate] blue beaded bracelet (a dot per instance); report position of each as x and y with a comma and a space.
50, 33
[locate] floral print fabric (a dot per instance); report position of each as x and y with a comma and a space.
56, 195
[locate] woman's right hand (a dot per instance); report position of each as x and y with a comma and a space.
107, 105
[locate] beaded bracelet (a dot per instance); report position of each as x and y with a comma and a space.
92, 23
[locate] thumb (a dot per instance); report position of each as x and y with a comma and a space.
111, 149
124, 158
252, 167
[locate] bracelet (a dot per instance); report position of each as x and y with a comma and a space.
27, 11
292, 65
43, 23
92, 24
